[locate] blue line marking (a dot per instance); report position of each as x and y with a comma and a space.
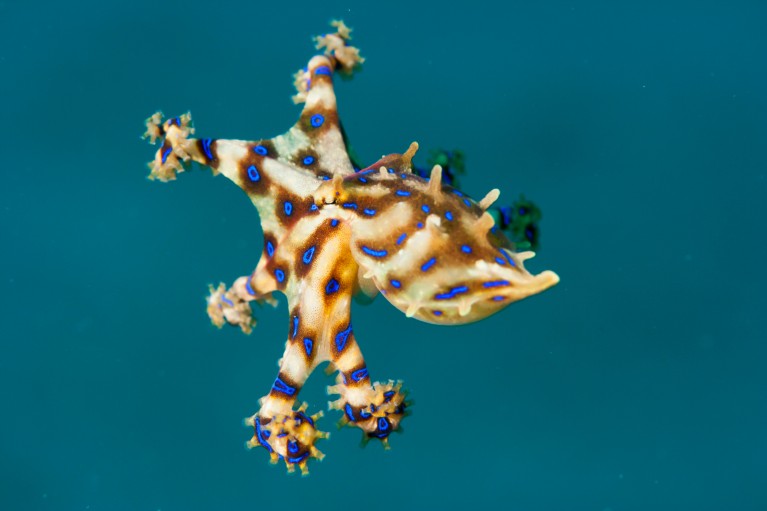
396, 283
359, 374
372, 252
227, 301
308, 344
298, 459
334, 222
350, 205
401, 238
466, 201
496, 283
269, 249
308, 255
281, 386
437, 313
295, 326
458, 193
419, 225
288, 208
391, 170
323, 70
249, 288
349, 412
342, 337
206, 147
402, 193
253, 173
262, 435
317, 120
362, 180
293, 446
508, 257
449, 216
450, 294
259, 149
425, 208
498, 298
466, 249
166, 153
500, 261
369, 211
279, 274
428, 264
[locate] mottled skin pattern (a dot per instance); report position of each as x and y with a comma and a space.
331, 232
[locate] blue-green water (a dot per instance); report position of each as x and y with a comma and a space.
638, 383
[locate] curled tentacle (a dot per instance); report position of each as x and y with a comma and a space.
288, 437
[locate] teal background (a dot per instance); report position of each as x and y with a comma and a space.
638, 383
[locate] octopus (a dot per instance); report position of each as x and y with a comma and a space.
334, 231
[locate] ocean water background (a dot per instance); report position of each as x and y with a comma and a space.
638, 383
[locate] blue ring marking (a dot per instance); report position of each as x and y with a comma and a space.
402, 193
342, 337
308, 345
298, 459
372, 252
419, 225
508, 257
401, 238
498, 298
334, 222
281, 386
350, 205
349, 412
206, 147
331, 287
269, 248
500, 261
227, 301
317, 120
496, 283
364, 414
323, 70
279, 274
369, 211
253, 173
308, 160
262, 435
466, 249
362, 180
295, 326
428, 264
450, 294
359, 374
259, 149
383, 423
248, 288
293, 446
288, 208
437, 313
308, 255
313, 207
165, 154
388, 395
395, 283
449, 215
425, 208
